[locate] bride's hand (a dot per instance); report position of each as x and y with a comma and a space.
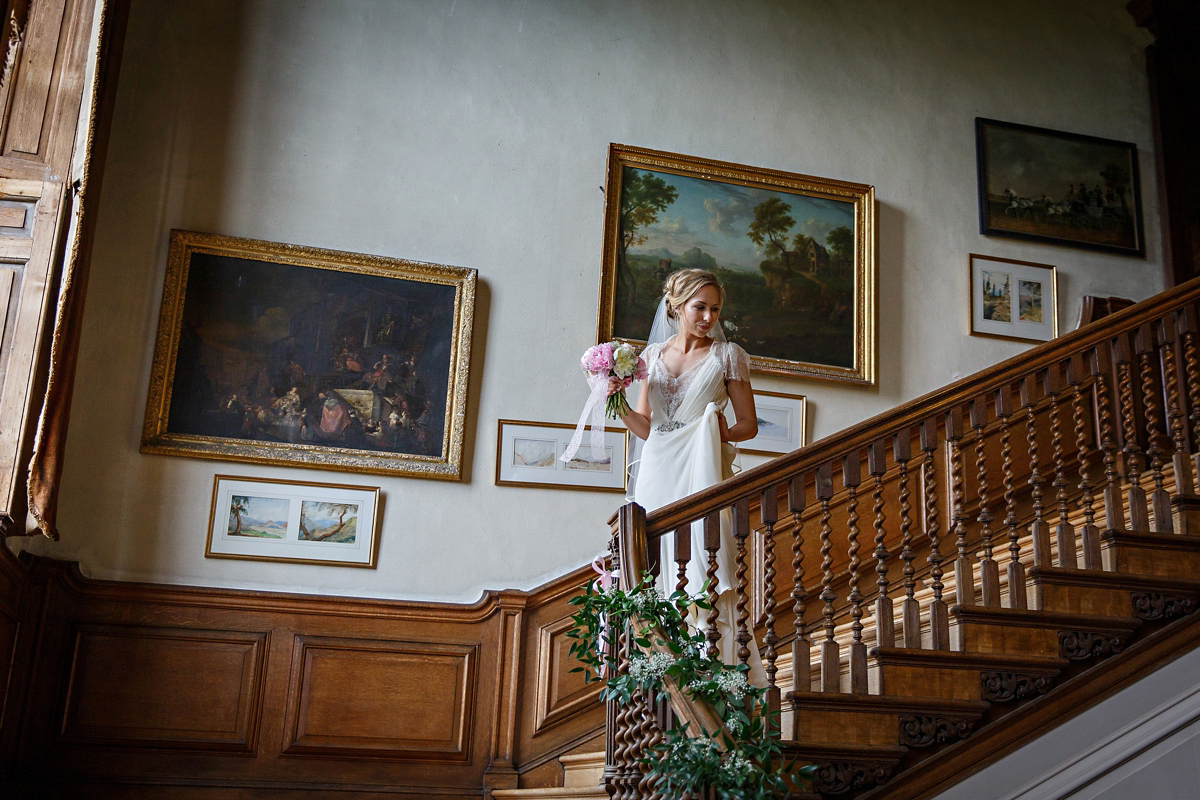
614, 385
723, 426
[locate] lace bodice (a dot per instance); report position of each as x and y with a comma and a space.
670, 390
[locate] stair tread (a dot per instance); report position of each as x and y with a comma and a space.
574, 759
1044, 619
1154, 539
844, 751
1111, 580
550, 792
884, 703
967, 660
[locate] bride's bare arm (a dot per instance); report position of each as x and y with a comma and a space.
637, 420
741, 397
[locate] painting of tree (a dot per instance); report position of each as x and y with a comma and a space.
328, 521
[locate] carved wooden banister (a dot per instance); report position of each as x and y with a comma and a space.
1036, 461
912, 413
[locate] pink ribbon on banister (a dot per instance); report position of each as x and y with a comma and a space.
604, 582
593, 415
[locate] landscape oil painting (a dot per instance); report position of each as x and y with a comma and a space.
1057, 187
795, 253
302, 522
282, 354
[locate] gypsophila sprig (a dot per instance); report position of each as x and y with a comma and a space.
742, 760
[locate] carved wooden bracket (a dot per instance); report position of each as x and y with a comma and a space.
1005, 687
1082, 645
927, 731
1154, 606
840, 777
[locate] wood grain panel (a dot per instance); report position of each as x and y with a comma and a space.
13, 216
407, 701
562, 694
164, 687
32, 97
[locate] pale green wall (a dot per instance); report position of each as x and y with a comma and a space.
473, 133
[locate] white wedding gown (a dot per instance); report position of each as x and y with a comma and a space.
683, 455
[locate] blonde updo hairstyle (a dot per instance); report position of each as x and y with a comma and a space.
681, 285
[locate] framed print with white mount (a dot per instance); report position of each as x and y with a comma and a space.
527, 454
782, 422
259, 519
1013, 299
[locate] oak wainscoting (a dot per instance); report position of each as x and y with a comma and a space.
138, 690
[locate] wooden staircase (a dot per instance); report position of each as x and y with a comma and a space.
1034, 546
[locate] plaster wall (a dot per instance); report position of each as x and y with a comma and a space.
473, 133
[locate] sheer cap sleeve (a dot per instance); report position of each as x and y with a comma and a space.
735, 361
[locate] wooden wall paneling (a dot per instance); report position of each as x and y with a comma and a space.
164, 687
291, 693
401, 700
500, 772
558, 714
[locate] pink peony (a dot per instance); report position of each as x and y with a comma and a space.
599, 359
640, 373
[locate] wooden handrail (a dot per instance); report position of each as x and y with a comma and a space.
915, 411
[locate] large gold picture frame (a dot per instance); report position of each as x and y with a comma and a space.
796, 254
282, 354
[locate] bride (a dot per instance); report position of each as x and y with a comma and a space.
692, 375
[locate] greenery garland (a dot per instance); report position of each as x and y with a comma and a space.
743, 761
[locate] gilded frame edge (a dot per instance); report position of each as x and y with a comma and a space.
803, 421
156, 440
866, 296
376, 528
971, 297
500, 423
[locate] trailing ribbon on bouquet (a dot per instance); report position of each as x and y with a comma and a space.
593, 415
602, 362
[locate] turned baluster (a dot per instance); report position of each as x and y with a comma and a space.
830, 655
1098, 365
939, 618
611, 644
1090, 534
851, 479
683, 555
1139, 519
1170, 363
989, 570
964, 570
1041, 536
1186, 319
910, 609
1064, 531
801, 646
768, 514
741, 529
885, 626
1015, 569
712, 545
1160, 501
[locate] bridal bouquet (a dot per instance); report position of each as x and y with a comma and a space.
614, 360
602, 362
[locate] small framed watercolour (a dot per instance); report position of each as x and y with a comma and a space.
782, 422
1013, 299
305, 523
527, 454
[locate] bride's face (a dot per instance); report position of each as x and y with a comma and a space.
701, 312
